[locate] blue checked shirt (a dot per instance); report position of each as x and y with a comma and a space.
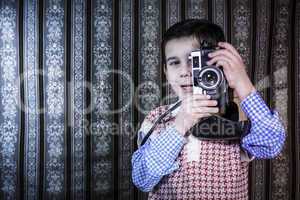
156, 158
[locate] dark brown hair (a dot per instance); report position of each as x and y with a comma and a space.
201, 29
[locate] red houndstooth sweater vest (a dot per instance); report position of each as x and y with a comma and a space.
207, 169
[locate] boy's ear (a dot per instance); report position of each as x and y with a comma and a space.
165, 70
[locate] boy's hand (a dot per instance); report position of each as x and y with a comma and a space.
234, 69
193, 108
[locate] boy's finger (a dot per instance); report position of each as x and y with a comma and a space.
206, 115
206, 110
219, 58
226, 53
201, 115
204, 103
200, 97
225, 65
230, 48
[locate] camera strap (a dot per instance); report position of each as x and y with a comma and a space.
220, 128
210, 128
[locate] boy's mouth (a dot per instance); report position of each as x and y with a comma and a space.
187, 87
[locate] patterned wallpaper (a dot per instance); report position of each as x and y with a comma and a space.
78, 77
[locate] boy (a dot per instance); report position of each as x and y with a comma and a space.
175, 165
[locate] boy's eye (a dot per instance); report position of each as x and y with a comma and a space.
175, 62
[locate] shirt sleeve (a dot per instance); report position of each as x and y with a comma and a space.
267, 135
156, 158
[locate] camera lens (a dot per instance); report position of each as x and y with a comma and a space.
210, 78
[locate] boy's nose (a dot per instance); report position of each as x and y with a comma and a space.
186, 70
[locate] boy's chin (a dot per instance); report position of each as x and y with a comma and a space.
187, 90
185, 93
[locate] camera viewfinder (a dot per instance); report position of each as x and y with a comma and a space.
195, 62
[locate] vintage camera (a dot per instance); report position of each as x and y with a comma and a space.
209, 80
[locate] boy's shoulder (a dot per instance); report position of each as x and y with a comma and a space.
148, 122
156, 112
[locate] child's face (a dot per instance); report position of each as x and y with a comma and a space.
178, 67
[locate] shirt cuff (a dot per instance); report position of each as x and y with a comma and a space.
255, 107
245, 156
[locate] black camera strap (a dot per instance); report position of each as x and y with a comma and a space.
220, 128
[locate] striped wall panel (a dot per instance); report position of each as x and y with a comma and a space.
78, 77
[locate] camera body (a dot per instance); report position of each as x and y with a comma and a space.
210, 79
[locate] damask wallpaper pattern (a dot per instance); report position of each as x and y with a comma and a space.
10, 100
78, 77
31, 99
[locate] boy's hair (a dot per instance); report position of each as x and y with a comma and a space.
200, 29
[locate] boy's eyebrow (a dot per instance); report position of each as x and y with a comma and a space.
171, 58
